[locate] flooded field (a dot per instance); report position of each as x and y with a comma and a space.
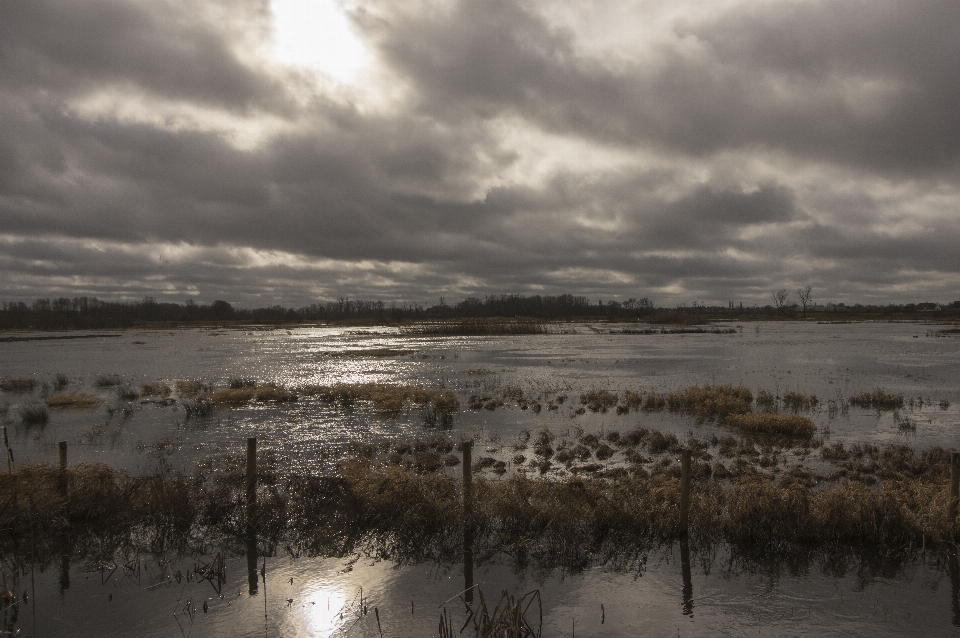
143, 400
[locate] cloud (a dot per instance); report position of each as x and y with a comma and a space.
868, 84
153, 148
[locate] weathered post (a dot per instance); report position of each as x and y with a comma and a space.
62, 477
684, 490
468, 521
954, 488
251, 514
64, 540
251, 478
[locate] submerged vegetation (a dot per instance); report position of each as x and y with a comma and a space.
76, 400
245, 394
877, 400
17, 384
33, 414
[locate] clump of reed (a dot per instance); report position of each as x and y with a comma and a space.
126, 392
766, 423
246, 394
797, 402
191, 388
388, 401
514, 617
877, 400
598, 400
240, 383
155, 389
60, 381
197, 407
107, 380
707, 403
17, 384
480, 326
33, 414
75, 400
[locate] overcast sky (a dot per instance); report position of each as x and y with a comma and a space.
682, 150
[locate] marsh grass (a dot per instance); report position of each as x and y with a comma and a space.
198, 407
708, 403
877, 400
155, 389
191, 388
60, 381
107, 380
797, 402
248, 393
766, 423
480, 326
75, 400
411, 510
33, 414
387, 401
598, 400
126, 392
17, 384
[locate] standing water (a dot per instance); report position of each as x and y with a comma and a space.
709, 591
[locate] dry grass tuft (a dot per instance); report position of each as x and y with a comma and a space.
77, 400
598, 400
190, 388
710, 403
388, 401
877, 400
262, 394
766, 423
33, 414
797, 402
155, 390
17, 384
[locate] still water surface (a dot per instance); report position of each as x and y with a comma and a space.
709, 595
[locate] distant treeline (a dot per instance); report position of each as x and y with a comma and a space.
92, 313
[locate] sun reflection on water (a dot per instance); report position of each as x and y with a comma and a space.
325, 610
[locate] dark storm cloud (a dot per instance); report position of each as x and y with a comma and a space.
867, 83
766, 146
177, 51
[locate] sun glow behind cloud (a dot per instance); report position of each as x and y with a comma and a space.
316, 34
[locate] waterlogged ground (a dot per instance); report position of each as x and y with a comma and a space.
830, 361
711, 594
665, 593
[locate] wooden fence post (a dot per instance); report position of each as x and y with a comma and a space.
684, 490
954, 488
468, 521
251, 478
62, 478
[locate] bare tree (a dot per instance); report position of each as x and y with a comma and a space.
806, 297
780, 299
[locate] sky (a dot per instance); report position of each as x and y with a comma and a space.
290, 152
